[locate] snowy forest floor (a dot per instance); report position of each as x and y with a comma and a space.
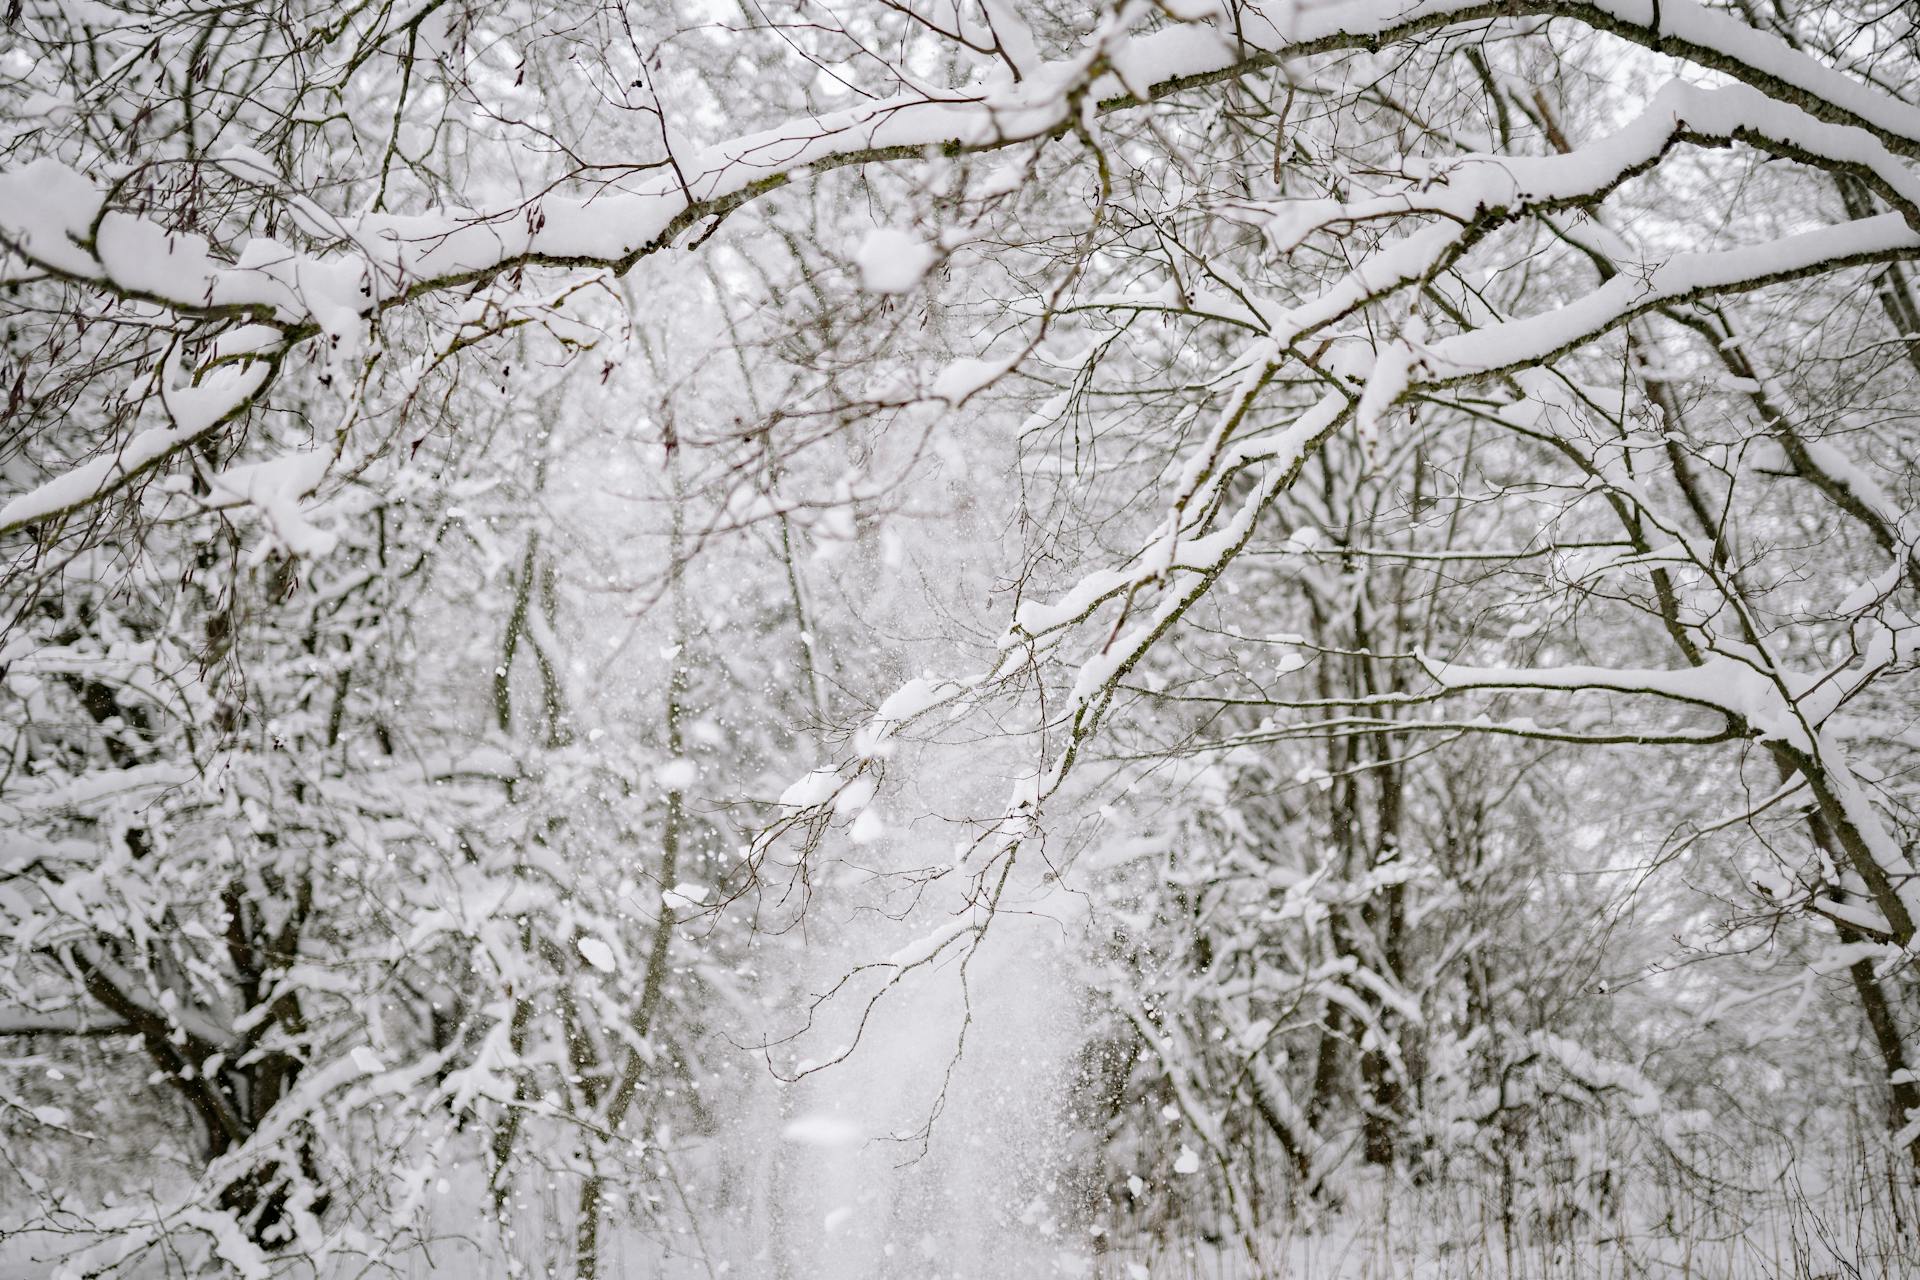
1844, 1230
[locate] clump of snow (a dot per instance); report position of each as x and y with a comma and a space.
676, 775
892, 260
684, 897
596, 953
854, 798
822, 1129
965, 377
276, 487
816, 788
921, 950
913, 698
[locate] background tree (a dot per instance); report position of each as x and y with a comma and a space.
1389, 525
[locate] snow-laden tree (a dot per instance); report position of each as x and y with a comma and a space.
220, 822
1389, 397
